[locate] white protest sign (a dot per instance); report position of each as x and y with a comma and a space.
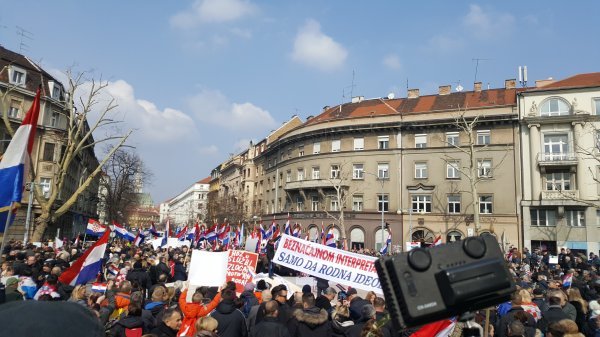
553, 259
156, 243
208, 268
355, 270
251, 244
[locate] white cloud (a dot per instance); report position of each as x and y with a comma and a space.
150, 123
241, 144
444, 44
211, 106
317, 50
208, 150
213, 11
487, 24
392, 61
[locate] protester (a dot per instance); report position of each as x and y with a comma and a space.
12, 294
341, 321
309, 321
265, 297
130, 325
270, 326
231, 320
323, 301
356, 304
194, 310
169, 325
206, 327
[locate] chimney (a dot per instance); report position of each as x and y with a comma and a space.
541, 83
510, 84
413, 93
445, 89
358, 99
477, 87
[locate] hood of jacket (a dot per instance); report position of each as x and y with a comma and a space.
226, 307
154, 307
131, 322
340, 327
312, 317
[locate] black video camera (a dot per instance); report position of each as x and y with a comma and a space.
429, 284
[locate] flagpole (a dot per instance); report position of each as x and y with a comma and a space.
28, 218
8, 214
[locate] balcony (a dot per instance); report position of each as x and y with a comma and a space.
557, 159
560, 195
313, 184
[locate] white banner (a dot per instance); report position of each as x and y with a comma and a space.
340, 266
251, 244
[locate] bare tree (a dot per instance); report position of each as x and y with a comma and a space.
78, 141
122, 172
475, 170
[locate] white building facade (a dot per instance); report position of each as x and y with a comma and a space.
188, 207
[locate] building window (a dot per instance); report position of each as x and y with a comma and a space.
575, 218
334, 203
543, 217
299, 204
359, 144
14, 109
316, 173
300, 174
483, 137
357, 203
484, 168
420, 170
300, 150
54, 118
383, 142
556, 146
18, 76
45, 186
454, 203
596, 105
288, 176
453, 236
421, 203
383, 171
383, 202
452, 138
314, 203
554, 107
452, 171
558, 181
357, 171
335, 145
48, 152
421, 141
485, 204
598, 218
316, 148
335, 172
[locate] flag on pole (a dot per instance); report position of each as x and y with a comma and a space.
14, 166
437, 241
287, 229
166, 235
94, 228
153, 231
211, 233
297, 231
567, 280
76, 242
322, 237
330, 239
88, 266
139, 239
122, 232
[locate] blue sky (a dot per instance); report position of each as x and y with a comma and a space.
199, 79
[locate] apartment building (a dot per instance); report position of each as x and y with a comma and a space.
189, 206
561, 161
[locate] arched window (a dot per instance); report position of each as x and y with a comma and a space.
313, 233
453, 236
554, 107
357, 238
423, 235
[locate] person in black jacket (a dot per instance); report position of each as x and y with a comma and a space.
170, 324
232, 322
554, 313
356, 304
269, 325
368, 314
516, 312
180, 273
309, 321
324, 301
270, 255
133, 321
140, 276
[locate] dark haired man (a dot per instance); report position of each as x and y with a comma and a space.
310, 320
269, 325
232, 322
170, 324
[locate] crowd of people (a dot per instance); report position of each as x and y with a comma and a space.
143, 292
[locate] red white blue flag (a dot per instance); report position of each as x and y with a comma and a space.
88, 266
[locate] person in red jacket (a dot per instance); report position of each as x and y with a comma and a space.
194, 310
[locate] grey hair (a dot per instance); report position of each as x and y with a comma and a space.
330, 291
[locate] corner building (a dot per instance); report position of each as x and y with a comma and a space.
403, 162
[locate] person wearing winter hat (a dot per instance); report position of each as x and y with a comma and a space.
11, 290
306, 289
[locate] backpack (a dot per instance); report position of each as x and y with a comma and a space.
135, 332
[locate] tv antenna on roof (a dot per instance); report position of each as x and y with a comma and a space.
351, 87
24, 34
477, 60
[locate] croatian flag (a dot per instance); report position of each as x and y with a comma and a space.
88, 266
275, 231
167, 228
182, 233
567, 280
330, 239
99, 287
14, 166
266, 235
441, 328
388, 242
139, 239
224, 233
297, 231
94, 228
113, 270
211, 234
153, 230
122, 232
191, 233
437, 241
287, 229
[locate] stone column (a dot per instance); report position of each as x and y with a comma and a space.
578, 143
534, 150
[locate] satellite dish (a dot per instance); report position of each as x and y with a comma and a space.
391, 95
459, 88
